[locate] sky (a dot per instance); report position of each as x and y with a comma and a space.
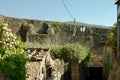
99, 12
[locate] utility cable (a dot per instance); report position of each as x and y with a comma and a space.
67, 9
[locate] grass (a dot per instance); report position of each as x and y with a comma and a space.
36, 45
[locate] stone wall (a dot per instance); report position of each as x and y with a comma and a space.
114, 73
33, 70
42, 66
38, 70
92, 37
107, 61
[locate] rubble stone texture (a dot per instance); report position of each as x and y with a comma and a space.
114, 73
38, 68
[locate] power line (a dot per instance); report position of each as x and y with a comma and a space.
67, 9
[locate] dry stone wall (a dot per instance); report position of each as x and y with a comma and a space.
60, 34
42, 66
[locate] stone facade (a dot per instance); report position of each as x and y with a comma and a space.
108, 58
42, 66
59, 34
114, 73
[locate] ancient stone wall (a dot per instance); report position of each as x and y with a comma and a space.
107, 60
42, 66
114, 73
63, 33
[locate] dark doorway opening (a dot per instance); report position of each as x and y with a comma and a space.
95, 73
67, 73
48, 72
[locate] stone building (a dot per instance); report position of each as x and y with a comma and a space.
43, 66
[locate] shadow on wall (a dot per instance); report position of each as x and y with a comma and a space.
46, 29
25, 29
28, 29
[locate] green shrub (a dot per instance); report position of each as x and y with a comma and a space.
70, 52
12, 57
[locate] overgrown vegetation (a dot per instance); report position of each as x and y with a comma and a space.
66, 52
56, 26
12, 57
70, 52
112, 37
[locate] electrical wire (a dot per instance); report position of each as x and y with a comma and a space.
67, 9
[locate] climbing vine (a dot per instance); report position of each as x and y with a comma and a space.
12, 57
